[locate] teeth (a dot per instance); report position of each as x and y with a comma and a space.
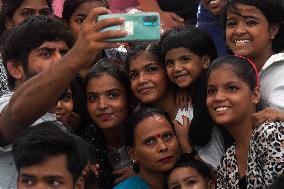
241, 42
214, 2
220, 109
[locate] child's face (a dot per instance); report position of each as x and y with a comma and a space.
64, 107
183, 66
249, 34
188, 178
149, 81
156, 147
215, 6
229, 99
106, 101
80, 14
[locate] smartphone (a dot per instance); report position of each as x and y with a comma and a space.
140, 26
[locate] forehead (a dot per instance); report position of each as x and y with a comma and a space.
53, 45
52, 166
152, 126
104, 82
143, 59
244, 11
176, 52
224, 74
34, 4
85, 7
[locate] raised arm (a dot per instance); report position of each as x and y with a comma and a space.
35, 96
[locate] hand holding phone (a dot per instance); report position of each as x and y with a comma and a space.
140, 26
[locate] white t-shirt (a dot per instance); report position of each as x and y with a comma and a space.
272, 82
8, 172
213, 151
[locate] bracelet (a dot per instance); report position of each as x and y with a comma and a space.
192, 153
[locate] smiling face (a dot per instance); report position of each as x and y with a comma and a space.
215, 6
188, 178
248, 32
183, 66
229, 99
156, 148
106, 101
77, 18
149, 82
26, 9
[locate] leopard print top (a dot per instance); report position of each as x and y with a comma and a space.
266, 155
265, 159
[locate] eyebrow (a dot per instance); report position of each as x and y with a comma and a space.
106, 91
81, 14
26, 175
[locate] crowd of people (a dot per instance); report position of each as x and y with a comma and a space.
201, 108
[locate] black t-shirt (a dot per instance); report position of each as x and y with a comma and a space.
187, 9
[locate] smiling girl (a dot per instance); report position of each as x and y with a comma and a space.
232, 98
254, 29
108, 99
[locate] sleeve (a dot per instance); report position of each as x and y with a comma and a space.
276, 97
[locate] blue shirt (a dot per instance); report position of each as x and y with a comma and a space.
134, 182
210, 24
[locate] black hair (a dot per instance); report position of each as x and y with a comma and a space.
105, 66
205, 170
140, 48
240, 66
273, 10
70, 6
136, 117
29, 35
194, 39
49, 139
277, 183
9, 7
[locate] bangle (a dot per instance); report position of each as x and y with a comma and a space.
190, 155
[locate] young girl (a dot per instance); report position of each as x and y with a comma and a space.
148, 78
232, 97
153, 146
190, 173
187, 52
254, 29
108, 101
76, 11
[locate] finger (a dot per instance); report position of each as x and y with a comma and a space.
108, 22
176, 123
95, 169
120, 179
186, 122
94, 13
110, 34
176, 17
119, 171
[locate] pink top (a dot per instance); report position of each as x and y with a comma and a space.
58, 7
122, 5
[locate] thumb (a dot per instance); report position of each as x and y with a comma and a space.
186, 122
176, 17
